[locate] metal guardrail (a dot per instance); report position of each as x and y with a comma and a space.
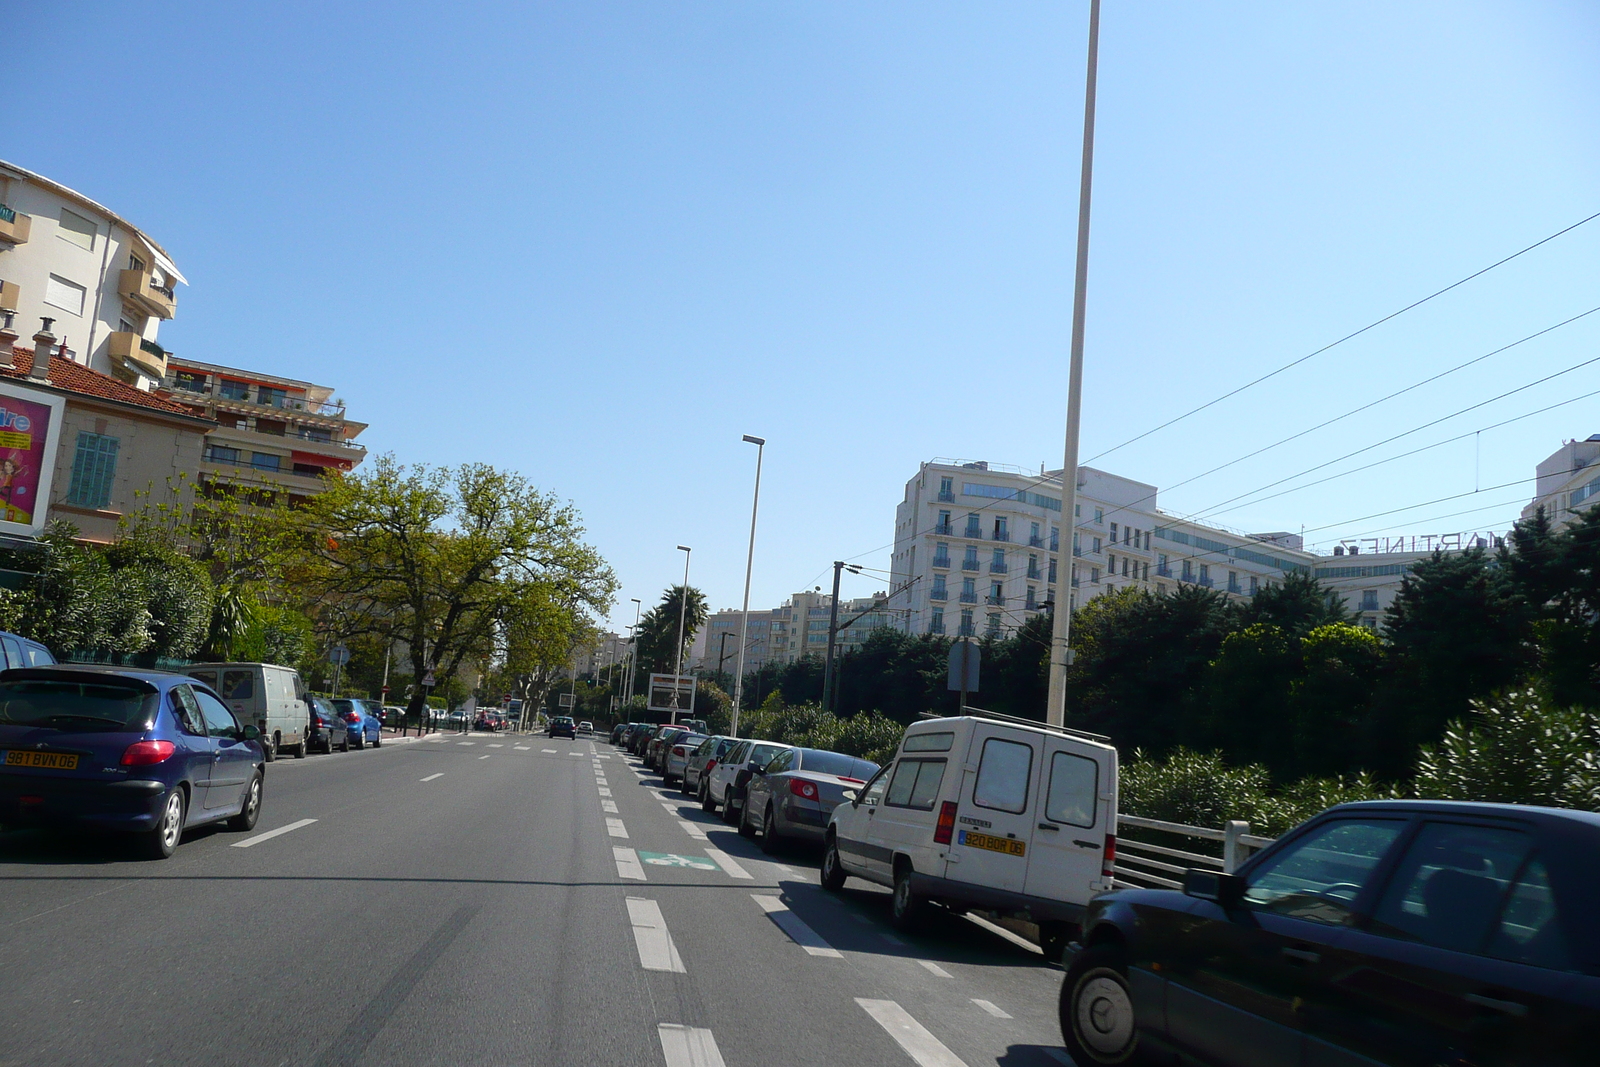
1144, 865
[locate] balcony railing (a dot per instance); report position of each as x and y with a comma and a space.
943, 529
969, 598
1077, 550
969, 564
1233, 587
1000, 535
1033, 573
1030, 604
1035, 541
936, 627
995, 601
1205, 583
946, 496
1055, 544
298, 404
138, 286
942, 561
973, 531
999, 568
1163, 571
965, 630
939, 594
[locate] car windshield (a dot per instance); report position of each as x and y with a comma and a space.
345, 706
63, 705
815, 759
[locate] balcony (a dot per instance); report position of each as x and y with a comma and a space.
1030, 604
135, 353
1204, 582
943, 529
14, 226
1000, 535
936, 627
1055, 544
1033, 574
1035, 541
965, 629
975, 532
939, 594
1233, 587
969, 598
946, 496
969, 564
250, 398
999, 568
942, 562
137, 287
1074, 583
1163, 571
1077, 551
995, 601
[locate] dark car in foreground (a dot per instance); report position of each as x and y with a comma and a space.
1386, 932
140, 752
793, 795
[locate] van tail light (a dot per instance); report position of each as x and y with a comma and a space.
947, 823
801, 788
1108, 858
146, 753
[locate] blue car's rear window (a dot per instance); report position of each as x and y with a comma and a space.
87, 706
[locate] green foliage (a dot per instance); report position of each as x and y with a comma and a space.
1297, 605
276, 635
868, 734
1519, 749
658, 630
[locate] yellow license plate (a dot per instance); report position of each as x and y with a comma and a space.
55, 761
994, 844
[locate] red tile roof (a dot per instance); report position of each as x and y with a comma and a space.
76, 378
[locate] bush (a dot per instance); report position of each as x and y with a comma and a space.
1518, 749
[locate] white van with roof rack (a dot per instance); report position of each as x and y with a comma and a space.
986, 813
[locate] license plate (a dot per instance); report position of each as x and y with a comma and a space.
994, 844
55, 761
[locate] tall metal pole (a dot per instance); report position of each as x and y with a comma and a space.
833, 632
683, 611
633, 647
1060, 647
749, 564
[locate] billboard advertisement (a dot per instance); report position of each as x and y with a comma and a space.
30, 426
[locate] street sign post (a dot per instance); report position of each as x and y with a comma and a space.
965, 658
671, 693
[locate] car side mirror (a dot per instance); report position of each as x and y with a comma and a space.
1224, 889
249, 733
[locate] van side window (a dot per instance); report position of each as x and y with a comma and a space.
1073, 782
939, 742
208, 677
915, 784
238, 685
1003, 775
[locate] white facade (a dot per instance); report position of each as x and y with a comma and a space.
784, 634
106, 284
1568, 482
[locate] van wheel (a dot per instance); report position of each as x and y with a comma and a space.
1097, 1021
908, 908
302, 748
161, 842
269, 747
833, 875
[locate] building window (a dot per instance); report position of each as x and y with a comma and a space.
1094, 574
938, 621
222, 454
940, 591
941, 554
1205, 574
1125, 567
1001, 533
946, 489
1055, 539
1034, 540
274, 397
974, 527
1097, 546
189, 381
266, 461
1099, 515
1369, 600
77, 230
1147, 572
1147, 540
64, 294
998, 564
1052, 578
1033, 567
94, 469
969, 591
232, 390
1255, 584
969, 561
1188, 572
1113, 533
1111, 563
966, 624
993, 627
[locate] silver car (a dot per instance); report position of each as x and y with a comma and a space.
703, 760
795, 793
675, 756
725, 786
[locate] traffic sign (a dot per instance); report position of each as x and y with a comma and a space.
385, 689
429, 680
338, 655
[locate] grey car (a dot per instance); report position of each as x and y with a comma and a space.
703, 760
675, 756
725, 784
792, 797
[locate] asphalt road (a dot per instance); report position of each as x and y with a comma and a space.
480, 902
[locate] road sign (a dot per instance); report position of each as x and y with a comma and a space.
670, 692
384, 690
565, 700
965, 658
338, 655
429, 680
662, 859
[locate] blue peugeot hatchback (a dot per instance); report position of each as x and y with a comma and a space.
142, 752
362, 718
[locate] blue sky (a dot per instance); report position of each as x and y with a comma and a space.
597, 242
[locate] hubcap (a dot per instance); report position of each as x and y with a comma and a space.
172, 821
902, 895
254, 802
1103, 1015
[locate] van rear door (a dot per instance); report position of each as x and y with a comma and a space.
994, 818
1071, 819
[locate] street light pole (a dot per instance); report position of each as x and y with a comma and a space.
683, 612
1060, 648
633, 647
749, 563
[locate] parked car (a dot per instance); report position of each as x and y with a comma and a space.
675, 756
617, 732
562, 726
456, 719
726, 786
326, 729
18, 651
140, 752
486, 720
641, 740
1384, 932
1030, 832
656, 754
393, 716
793, 795
586, 727
270, 696
701, 762
361, 719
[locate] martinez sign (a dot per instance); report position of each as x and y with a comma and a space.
1450, 542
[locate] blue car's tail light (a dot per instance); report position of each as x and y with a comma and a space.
146, 753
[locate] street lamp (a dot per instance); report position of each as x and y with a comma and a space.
683, 611
633, 648
749, 563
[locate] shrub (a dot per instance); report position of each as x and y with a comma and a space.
1518, 749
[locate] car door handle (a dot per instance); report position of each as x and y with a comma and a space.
1048, 826
1506, 1007
1302, 955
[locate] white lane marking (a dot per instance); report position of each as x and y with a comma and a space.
550, 750
727, 862
486, 755
602, 757
688, 1046
497, 746
466, 742
989, 1007
628, 865
605, 792
574, 753
692, 829
609, 805
270, 834
650, 937
935, 969
798, 931
601, 781
670, 810
921, 1046
785, 868
522, 748
615, 828
431, 777
1015, 939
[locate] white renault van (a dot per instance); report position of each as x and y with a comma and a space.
986, 813
270, 696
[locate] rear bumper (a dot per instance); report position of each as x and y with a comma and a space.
978, 897
126, 804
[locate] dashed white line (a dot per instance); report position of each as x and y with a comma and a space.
604, 791
628, 865
609, 805
934, 969
466, 742
615, 828
431, 777
550, 751
270, 834
910, 1035
798, 931
522, 748
497, 746
726, 862
688, 1046
650, 937
989, 1007
692, 829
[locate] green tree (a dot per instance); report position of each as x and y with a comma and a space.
1332, 700
1297, 605
1247, 692
657, 636
1516, 748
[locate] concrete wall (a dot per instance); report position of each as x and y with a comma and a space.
150, 451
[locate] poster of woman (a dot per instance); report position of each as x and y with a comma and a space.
30, 422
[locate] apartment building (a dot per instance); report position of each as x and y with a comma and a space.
272, 433
797, 628
1567, 482
105, 284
